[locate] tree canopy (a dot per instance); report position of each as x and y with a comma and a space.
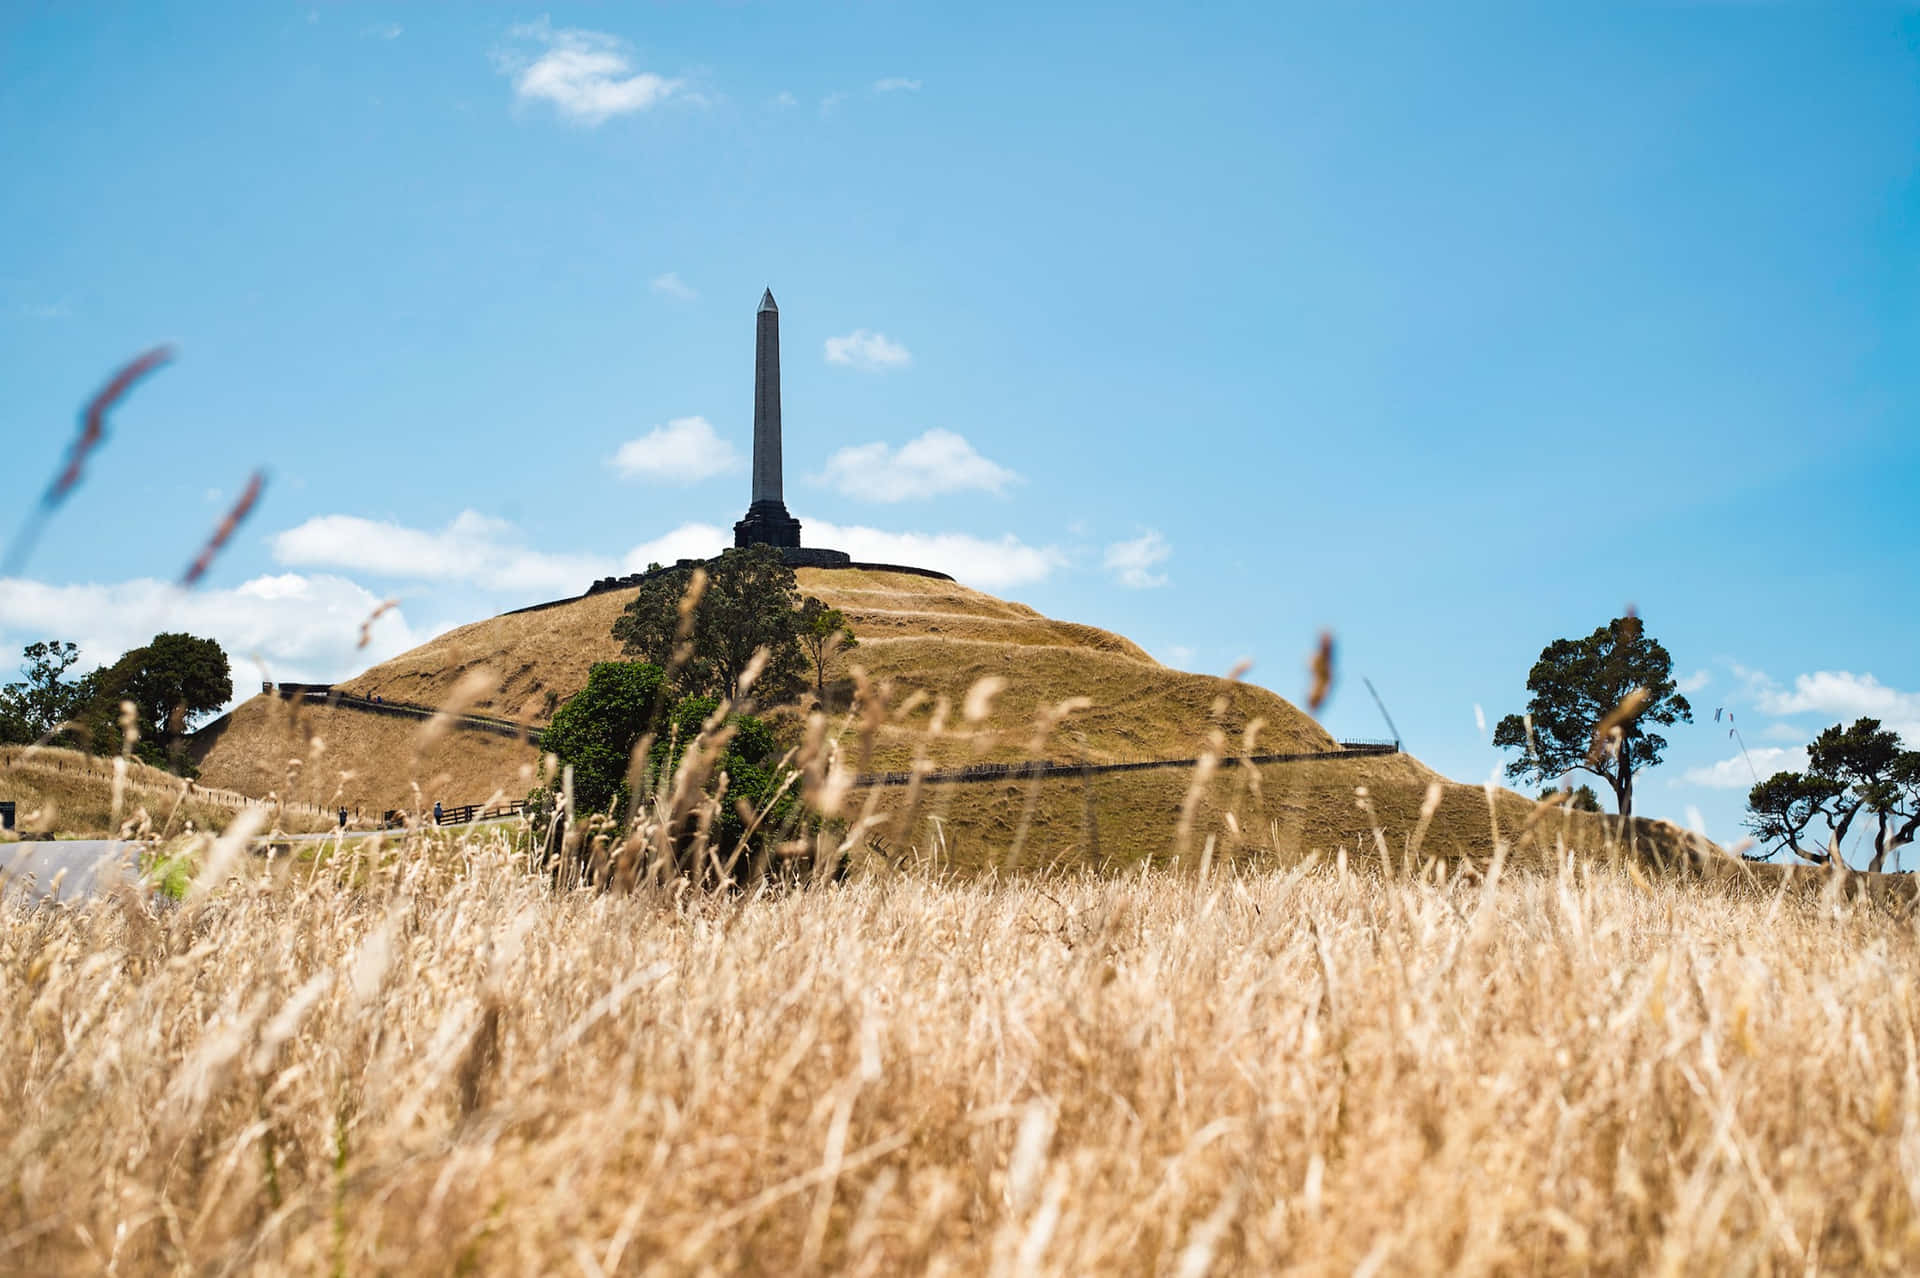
823, 632
750, 602
1861, 770
596, 729
44, 698
1592, 702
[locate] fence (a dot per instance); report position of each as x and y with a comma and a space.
1035, 768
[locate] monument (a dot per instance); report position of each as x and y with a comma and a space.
767, 522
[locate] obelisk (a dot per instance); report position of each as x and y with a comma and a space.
767, 522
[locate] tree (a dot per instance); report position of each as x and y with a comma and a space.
171, 681
597, 728
38, 704
1851, 771
1592, 701
750, 602
1580, 798
823, 632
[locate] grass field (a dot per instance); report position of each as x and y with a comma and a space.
443, 1066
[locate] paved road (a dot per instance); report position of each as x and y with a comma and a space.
81, 866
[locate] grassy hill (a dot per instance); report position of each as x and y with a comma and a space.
923, 642
70, 795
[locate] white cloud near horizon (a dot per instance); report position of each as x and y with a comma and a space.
1132, 563
937, 462
987, 563
688, 541
304, 628
867, 350
684, 451
896, 84
587, 76
475, 549
673, 286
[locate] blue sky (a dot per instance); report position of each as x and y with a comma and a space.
1451, 328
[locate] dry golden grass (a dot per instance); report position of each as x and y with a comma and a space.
367, 761
69, 795
1118, 820
443, 1066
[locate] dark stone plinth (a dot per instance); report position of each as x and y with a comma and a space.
767, 524
814, 557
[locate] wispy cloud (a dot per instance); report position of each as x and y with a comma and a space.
939, 461
587, 76
784, 99
1132, 563
988, 563
1694, 682
684, 451
474, 549
831, 102
383, 30
672, 285
868, 350
896, 84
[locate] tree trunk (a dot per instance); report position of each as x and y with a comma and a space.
1879, 846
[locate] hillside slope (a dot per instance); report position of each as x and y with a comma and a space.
922, 642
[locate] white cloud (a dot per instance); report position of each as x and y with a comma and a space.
868, 350
1839, 696
1735, 773
1132, 563
383, 30
684, 451
304, 628
1784, 732
673, 286
1695, 821
1177, 655
977, 561
896, 84
474, 548
831, 102
587, 76
1694, 682
939, 461
688, 541
784, 99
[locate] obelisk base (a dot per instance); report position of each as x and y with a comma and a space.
767, 524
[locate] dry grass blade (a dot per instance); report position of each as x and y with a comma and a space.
1607, 732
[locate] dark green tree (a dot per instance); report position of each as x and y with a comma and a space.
1862, 770
597, 728
1592, 702
172, 681
45, 698
823, 632
1581, 799
750, 602
750, 761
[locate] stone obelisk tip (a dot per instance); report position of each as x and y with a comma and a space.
766, 302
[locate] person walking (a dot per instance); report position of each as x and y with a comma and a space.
436, 812
343, 818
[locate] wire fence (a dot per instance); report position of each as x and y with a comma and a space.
1032, 768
